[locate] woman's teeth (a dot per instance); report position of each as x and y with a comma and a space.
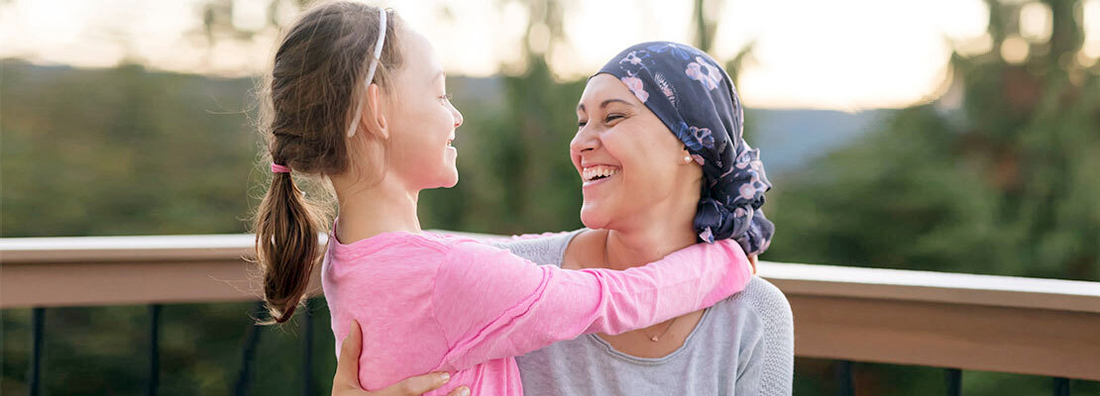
598, 172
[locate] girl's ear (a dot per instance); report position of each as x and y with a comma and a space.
375, 118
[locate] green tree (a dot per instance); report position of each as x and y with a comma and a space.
1002, 183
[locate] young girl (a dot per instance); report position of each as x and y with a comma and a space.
358, 98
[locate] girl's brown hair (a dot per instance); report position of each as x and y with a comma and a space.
306, 106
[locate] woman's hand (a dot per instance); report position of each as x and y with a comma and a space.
346, 381
752, 261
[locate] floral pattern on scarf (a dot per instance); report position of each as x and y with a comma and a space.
695, 98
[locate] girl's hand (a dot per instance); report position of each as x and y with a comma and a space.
346, 381
752, 260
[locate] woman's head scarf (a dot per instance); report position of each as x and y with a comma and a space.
696, 100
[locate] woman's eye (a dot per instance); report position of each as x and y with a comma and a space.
581, 124
612, 117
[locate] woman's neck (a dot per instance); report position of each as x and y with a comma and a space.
625, 248
386, 206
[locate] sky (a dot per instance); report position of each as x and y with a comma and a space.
845, 55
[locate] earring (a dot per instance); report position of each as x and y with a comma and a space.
687, 159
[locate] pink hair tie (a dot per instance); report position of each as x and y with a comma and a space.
276, 168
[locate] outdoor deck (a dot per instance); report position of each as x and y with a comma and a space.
953, 321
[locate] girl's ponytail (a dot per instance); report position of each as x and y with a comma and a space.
286, 245
306, 108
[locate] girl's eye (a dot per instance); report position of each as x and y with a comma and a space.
446, 98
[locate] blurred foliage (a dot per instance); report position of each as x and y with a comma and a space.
997, 182
997, 177
1001, 182
516, 175
104, 351
122, 151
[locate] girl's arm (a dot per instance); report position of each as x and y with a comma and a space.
491, 304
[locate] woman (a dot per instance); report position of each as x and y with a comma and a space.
649, 102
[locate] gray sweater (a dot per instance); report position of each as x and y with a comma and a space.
744, 345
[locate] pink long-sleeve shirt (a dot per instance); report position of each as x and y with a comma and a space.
430, 302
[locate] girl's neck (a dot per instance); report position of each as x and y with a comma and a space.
386, 206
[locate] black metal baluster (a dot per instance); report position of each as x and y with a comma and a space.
307, 363
154, 348
1061, 386
244, 376
953, 379
843, 371
34, 372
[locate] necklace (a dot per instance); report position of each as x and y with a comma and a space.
658, 337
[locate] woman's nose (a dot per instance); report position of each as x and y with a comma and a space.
584, 140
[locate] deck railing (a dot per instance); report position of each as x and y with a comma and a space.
957, 322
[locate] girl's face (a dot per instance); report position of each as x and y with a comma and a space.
629, 161
421, 119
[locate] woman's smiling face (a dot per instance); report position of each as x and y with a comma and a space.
628, 160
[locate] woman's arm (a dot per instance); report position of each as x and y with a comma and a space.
769, 370
491, 304
346, 380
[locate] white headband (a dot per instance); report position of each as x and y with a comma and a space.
370, 70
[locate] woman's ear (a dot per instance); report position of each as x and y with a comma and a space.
686, 155
375, 117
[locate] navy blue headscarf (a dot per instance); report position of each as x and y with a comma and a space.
696, 100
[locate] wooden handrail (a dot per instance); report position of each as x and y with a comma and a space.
1046, 327
977, 322
928, 286
83, 271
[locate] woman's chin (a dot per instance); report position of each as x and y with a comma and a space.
592, 217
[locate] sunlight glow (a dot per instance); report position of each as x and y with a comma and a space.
841, 54
1091, 20
1035, 22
